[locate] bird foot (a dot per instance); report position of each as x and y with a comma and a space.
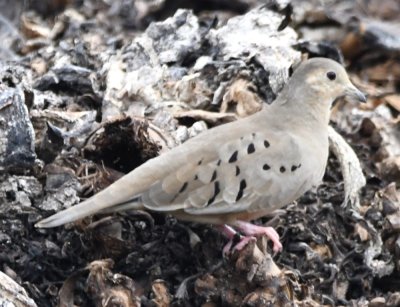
233, 245
253, 230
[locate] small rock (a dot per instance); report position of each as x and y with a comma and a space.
393, 300
394, 221
17, 137
12, 294
197, 128
377, 302
181, 134
390, 168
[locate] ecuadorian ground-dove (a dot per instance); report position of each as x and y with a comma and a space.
237, 172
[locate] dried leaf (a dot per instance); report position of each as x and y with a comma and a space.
242, 95
393, 101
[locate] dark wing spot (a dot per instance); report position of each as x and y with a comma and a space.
242, 186
239, 195
219, 162
216, 189
237, 171
233, 158
251, 148
201, 161
298, 166
266, 144
294, 167
253, 134
214, 176
183, 188
266, 167
282, 169
196, 177
216, 192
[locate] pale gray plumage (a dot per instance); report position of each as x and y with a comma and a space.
241, 170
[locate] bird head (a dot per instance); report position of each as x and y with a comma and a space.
326, 80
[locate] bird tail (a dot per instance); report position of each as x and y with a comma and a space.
134, 204
95, 204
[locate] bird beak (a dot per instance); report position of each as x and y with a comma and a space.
355, 94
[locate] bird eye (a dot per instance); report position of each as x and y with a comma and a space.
331, 75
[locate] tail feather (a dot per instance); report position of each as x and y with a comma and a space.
67, 216
134, 204
84, 209
112, 196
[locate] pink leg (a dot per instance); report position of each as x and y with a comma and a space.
230, 233
253, 230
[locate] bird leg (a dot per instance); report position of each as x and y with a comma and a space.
251, 230
233, 236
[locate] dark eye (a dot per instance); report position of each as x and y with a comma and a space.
331, 75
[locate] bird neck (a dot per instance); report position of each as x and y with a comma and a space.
315, 113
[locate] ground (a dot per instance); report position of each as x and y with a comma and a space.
85, 104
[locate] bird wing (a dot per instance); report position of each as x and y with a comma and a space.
243, 171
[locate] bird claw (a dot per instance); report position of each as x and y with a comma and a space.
230, 247
238, 242
253, 230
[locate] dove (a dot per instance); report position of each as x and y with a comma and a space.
234, 173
